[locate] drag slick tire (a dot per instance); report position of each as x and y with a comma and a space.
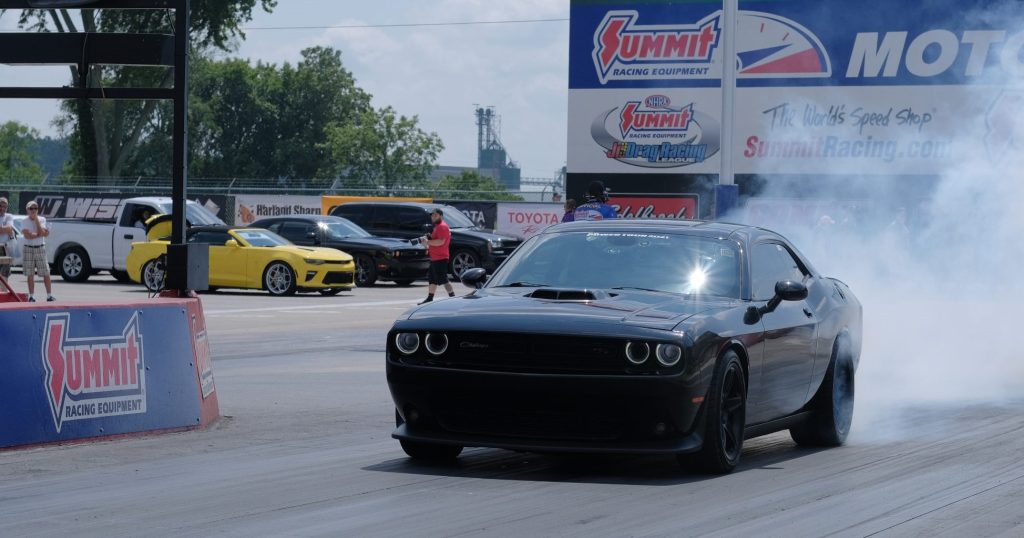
725, 419
428, 452
832, 407
279, 279
73, 264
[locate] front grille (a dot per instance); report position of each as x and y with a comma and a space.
411, 254
551, 422
530, 354
506, 248
339, 277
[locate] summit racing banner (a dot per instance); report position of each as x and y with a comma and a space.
823, 86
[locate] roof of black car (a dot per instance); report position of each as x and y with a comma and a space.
699, 227
315, 218
423, 205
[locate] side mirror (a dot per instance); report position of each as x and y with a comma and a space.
231, 243
474, 278
788, 290
785, 290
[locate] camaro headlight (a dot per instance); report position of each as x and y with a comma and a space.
407, 343
637, 352
436, 343
311, 261
669, 354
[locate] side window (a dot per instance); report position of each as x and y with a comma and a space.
412, 219
130, 214
210, 238
296, 231
358, 214
274, 227
770, 263
384, 218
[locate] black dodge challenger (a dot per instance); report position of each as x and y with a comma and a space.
631, 336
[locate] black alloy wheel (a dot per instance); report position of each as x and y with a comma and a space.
832, 407
366, 273
725, 418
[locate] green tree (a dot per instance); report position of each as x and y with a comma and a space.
381, 150
18, 146
105, 134
470, 185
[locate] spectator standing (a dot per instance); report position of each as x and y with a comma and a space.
570, 208
596, 206
34, 257
6, 235
438, 243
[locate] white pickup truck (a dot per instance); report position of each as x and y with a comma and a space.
79, 248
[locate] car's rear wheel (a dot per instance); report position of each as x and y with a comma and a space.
366, 273
725, 418
279, 279
832, 407
154, 273
73, 264
462, 260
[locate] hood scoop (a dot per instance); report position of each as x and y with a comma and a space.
557, 294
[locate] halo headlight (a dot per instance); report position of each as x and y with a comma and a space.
668, 354
637, 352
436, 343
407, 343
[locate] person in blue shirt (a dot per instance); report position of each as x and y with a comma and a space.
596, 206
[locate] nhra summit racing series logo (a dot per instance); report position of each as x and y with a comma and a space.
625, 50
93, 377
654, 134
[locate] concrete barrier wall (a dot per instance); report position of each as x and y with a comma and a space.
93, 370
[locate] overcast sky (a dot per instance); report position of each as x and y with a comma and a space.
435, 72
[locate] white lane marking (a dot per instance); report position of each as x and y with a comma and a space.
409, 302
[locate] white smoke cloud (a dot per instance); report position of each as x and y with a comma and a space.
937, 263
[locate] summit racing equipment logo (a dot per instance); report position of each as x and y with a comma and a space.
770, 46
654, 134
93, 377
625, 50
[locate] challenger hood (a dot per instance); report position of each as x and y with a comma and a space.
529, 310
376, 242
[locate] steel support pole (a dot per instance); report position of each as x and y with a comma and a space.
730, 10
179, 171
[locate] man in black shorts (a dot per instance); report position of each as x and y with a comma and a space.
437, 246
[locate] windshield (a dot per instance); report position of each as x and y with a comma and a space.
456, 218
642, 260
196, 214
340, 229
262, 238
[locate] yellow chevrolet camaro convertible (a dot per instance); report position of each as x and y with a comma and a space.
251, 258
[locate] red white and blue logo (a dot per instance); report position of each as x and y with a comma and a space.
93, 377
768, 45
654, 133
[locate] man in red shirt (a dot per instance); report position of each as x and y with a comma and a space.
437, 246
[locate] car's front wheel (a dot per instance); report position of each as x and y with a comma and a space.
725, 418
154, 273
73, 264
462, 260
366, 273
279, 279
832, 407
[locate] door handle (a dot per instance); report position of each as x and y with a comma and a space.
129, 236
808, 313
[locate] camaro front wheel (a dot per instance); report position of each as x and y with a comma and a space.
279, 279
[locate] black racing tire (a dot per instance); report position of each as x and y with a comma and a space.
120, 276
724, 420
328, 292
279, 279
366, 273
154, 274
404, 282
463, 259
73, 264
832, 406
